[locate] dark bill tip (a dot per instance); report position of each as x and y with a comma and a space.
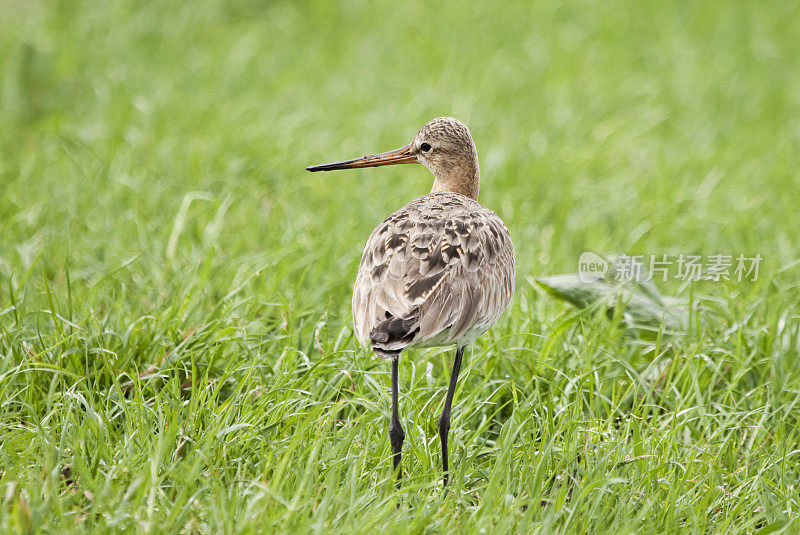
325, 167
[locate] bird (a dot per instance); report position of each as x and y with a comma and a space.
437, 272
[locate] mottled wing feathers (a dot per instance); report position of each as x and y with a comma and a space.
438, 271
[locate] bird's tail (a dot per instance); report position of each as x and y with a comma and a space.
393, 335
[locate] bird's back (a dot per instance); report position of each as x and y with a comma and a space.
438, 271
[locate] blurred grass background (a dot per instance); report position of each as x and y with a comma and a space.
156, 226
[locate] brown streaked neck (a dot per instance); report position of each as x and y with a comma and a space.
459, 176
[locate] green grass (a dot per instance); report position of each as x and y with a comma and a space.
176, 353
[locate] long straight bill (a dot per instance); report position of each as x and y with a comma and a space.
393, 157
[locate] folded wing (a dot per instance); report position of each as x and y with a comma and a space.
438, 271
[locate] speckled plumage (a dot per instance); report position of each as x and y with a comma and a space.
443, 265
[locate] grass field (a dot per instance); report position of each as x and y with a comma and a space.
176, 350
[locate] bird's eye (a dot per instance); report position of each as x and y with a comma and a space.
425, 147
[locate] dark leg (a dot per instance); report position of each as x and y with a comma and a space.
396, 433
444, 419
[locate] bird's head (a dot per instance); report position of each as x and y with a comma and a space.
444, 145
